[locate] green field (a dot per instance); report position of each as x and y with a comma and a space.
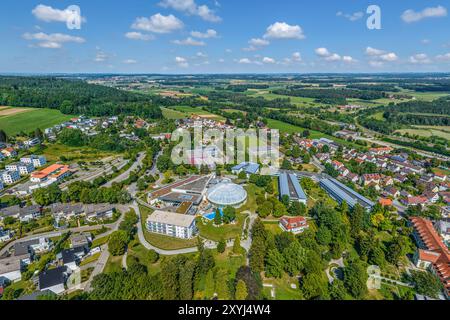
172, 114
179, 112
428, 131
31, 120
291, 129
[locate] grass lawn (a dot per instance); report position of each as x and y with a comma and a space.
252, 193
161, 241
188, 111
97, 242
53, 152
229, 261
30, 120
231, 231
90, 259
172, 114
114, 264
283, 290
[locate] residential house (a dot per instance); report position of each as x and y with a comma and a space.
36, 161
9, 177
295, 225
9, 152
53, 280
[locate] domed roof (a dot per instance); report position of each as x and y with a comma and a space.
227, 194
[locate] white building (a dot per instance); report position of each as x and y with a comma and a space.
10, 269
5, 235
32, 142
172, 224
9, 177
36, 161
23, 168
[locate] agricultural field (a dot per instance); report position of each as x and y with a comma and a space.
172, 114
16, 120
428, 131
187, 111
53, 152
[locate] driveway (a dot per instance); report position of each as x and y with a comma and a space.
125, 175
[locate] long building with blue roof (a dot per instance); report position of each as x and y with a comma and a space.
289, 186
248, 167
340, 192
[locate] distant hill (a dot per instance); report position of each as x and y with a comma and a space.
75, 97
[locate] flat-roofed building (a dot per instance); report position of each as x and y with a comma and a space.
248, 167
56, 172
340, 192
9, 177
23, 168
36, 161
172, 224
290, 186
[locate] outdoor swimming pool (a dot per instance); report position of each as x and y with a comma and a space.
211, 216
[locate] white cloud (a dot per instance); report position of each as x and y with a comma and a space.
425, 41
348, 59
245, 61
352, 17
210, 33
443, 57
202, 55
52, 41
158, 23
374, 52
182, 62
189, 42
376, 64
296, 56
322, 52
139, 36
129, 61
377, 55
49, 14
257, 42
410, 15
268, 60
420, 58
282, 30
326, 55
389, 57
191, 8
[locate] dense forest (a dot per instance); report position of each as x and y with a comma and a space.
75, 97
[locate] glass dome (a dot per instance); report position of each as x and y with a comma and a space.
227, 194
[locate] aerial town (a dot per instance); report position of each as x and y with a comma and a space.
258, 186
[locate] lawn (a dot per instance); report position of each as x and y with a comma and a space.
90, 259
188, 111
252, 193
229, 261
30, 120
172, 114
428, 131
161, 241
114, 264
231, 231
283, 290
53, 152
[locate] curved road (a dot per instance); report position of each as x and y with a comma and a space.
125, 175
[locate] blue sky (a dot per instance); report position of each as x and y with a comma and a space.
224, 36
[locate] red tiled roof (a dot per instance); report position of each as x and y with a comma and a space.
433, 242
293, 222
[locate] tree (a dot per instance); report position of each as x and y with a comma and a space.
209, 285
3, 136
241, 291
297, 209
265, 209
337, 290
222, 284
324, 236
294, 258
221, 246
426, 283
242, 175
355, 279
186, 280
279, 210
237, 245
257, 254
274, 264
170, 282
118, 241
229, 214
315, 285
218, 218
153, 256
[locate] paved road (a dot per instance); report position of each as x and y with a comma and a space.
125, 175
99, 267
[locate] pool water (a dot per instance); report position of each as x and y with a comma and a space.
212, 215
